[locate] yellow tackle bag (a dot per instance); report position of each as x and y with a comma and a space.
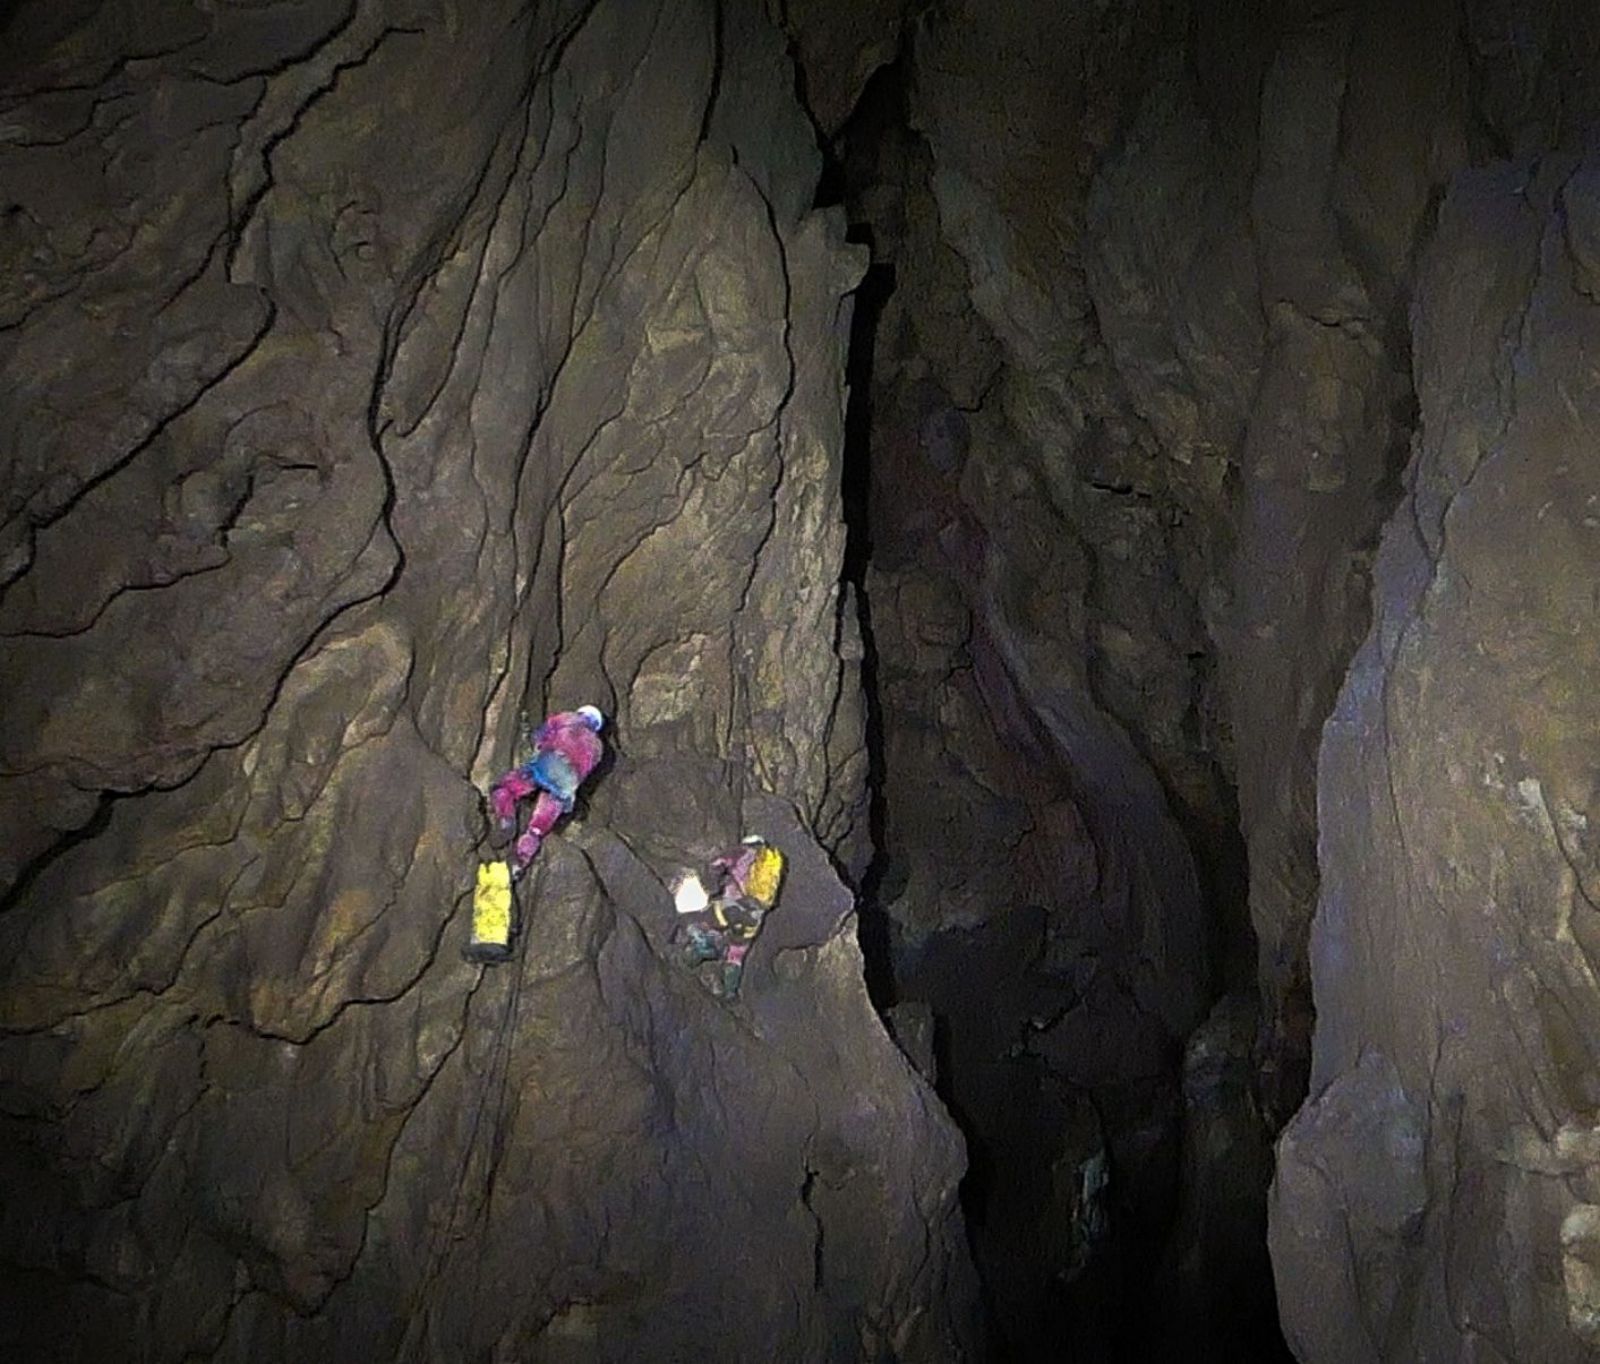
490, 937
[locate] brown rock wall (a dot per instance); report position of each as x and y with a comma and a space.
374, 372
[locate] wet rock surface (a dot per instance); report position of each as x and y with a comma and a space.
350, 411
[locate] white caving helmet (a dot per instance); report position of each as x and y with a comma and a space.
592, 717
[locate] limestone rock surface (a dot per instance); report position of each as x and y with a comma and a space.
371, 373
1455, 942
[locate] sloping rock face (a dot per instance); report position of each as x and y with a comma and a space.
1440, 1197
371, 373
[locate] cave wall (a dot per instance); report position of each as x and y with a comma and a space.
1074, 371
1175, 309
1438, 1195
1207, 359
372, 372
1434, 1196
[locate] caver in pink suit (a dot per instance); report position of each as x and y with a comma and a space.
566, 750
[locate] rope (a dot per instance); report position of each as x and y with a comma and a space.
499, 1062
741, 764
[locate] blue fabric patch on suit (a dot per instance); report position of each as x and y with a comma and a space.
553, 773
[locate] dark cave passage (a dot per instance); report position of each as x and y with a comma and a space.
870, 298
1082, 1163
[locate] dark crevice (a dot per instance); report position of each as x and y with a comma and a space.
31, 871
875, 930
986, 986
871, 296
1075, 1190
717, 57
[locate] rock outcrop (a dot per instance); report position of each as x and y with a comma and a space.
1438, 1195
372, 373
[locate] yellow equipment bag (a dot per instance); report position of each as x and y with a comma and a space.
490, 938
766, 875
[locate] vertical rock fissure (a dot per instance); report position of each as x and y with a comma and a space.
1052, 813
870, 297
969, 976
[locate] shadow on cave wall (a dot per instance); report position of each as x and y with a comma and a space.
1076, 1190
871, 297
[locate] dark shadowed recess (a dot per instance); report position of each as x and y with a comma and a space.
1060, 1279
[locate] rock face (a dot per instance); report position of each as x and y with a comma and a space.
1153, 359
1438, 1197
371, 373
